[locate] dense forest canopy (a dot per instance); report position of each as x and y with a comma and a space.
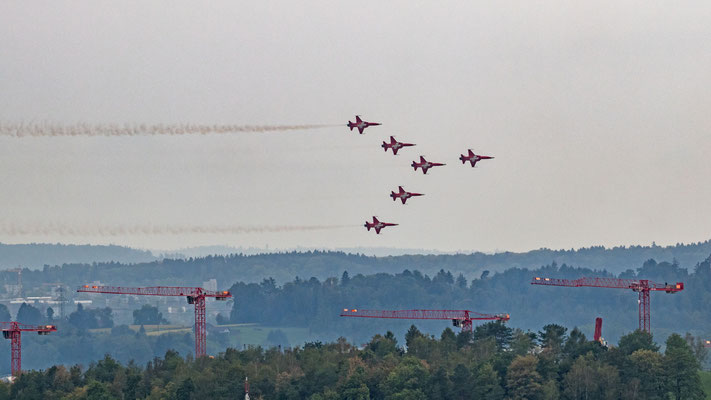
494, 362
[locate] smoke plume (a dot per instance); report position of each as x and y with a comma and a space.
136, 230
48, 129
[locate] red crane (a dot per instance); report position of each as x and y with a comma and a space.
13, 331
598, 329
461, 318
641, 286
195, 295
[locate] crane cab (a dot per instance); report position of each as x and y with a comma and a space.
675, 288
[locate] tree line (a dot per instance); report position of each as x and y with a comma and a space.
493, 362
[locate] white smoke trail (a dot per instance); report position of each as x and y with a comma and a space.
48, 129
52, 229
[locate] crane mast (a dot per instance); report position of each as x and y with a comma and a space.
642, 286
598, 330
460, 318
194, 295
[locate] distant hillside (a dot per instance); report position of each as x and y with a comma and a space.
204, 251
321, 263
614, 260
284, 267
36, 255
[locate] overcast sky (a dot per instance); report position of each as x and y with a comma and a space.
597, 113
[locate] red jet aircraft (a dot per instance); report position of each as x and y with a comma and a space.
377, 225
394, 145
361, 125
424, 164
403, 195
473, 158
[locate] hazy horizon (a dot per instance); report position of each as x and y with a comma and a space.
378, 251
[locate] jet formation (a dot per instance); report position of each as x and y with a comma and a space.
423, 164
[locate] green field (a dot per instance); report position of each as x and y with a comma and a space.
256, 335
706, 383
151, 330
240, 334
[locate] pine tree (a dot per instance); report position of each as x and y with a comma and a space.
682, 369
523, 382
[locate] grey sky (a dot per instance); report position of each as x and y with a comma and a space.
597, 114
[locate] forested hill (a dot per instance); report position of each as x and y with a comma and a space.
308, 309
316, 305
284, 267
36, 255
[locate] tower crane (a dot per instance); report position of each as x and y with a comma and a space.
194, 295
642, 286
460, 318
13, 331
